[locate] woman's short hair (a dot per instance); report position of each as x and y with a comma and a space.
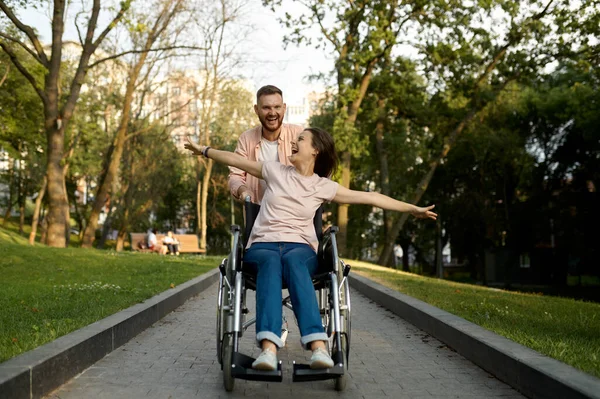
327, 160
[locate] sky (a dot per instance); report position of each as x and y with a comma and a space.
286, 69
267, 60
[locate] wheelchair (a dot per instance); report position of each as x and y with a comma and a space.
333, 297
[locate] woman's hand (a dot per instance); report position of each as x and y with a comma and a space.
193, 147
424, 213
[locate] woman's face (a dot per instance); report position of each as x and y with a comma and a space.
302, 148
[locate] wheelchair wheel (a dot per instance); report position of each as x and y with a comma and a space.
222, 301
220, 319
228, 380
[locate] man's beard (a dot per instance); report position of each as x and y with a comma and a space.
263, 122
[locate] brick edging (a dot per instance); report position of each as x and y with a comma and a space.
41, 370
531, 373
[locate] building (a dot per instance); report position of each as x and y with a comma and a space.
299, 112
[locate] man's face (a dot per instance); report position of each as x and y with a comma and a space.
270, 111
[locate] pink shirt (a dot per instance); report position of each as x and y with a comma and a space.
289, 205
248, 146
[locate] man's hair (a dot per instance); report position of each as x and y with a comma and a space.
267, 90
327, 160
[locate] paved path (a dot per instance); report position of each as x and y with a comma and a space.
389, 358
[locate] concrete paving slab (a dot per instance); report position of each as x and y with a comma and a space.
389, 358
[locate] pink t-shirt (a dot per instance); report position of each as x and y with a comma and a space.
289, 205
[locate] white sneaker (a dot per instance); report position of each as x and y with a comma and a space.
320, 359
266, 361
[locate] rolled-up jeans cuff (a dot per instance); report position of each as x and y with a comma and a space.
307, 339
268, 335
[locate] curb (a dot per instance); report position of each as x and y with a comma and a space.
531, 373
43, 369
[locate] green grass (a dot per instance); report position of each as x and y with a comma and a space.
564, 329
50, 292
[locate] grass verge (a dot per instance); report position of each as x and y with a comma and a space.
50, 292
564, 329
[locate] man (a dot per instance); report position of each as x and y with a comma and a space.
271, 141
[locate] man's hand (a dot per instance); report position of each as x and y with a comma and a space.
193, 147
244, 192
424, 213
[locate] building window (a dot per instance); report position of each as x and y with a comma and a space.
176, 91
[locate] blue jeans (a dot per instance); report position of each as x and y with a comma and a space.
295, 264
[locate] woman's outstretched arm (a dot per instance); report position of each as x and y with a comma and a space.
226, 158
346, 196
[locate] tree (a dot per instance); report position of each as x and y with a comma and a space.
362, 34
217, 64
58, 110
482, 65
162, 26
20, 127
150, 174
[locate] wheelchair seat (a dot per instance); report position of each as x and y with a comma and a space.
324, 255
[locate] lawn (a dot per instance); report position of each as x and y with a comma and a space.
50, 292
565, 329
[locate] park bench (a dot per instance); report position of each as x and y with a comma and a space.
188, 243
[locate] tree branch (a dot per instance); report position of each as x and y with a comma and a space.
124, 7
112, 57
20, 43
28, 31
24, 71
5, 75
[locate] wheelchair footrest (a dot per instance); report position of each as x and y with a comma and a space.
241, 368
303, 372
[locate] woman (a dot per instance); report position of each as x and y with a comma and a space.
283, 243
171, 243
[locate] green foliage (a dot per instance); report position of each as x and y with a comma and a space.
563, 329
21, 133
49, 292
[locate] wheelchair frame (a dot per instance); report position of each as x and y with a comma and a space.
333, 298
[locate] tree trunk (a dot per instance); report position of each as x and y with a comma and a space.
204, 199
199, 207
58, 207
121, 240
383, 165
11, 192
21, 194
342, 220
21, 217
36, 211
44, 228
106, 188
105, 229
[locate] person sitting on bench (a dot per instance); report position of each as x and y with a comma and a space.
283, 243
171, 243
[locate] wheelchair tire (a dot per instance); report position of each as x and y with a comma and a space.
340, 382
222, 297
228, 380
